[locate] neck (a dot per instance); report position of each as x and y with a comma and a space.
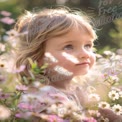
63, 85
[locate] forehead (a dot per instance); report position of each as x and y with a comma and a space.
74, 32
74, 35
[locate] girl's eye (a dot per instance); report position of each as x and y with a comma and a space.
88, 46
68, 47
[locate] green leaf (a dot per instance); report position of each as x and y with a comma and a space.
44, 66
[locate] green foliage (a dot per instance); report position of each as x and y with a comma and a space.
109, 33
117, 35
35, 68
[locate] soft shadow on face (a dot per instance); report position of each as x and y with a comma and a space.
68, 55
55, 71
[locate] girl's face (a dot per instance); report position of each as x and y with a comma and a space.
70, 54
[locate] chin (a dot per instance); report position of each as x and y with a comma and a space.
80, 73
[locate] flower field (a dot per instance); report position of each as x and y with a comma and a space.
103, 84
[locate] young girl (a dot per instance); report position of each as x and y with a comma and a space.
63, 39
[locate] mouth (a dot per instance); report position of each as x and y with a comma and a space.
84, 63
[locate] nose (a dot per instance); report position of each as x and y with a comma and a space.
83, 53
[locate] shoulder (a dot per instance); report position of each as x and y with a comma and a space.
34, 92
46, 93
41, 99
49, 89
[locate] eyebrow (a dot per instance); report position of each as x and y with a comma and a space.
76, 41
90, 41
67, 42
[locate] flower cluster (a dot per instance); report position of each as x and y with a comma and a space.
105, 88
34, 101
45, 103
6, 19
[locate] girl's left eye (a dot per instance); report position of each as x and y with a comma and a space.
88, 46
68, 47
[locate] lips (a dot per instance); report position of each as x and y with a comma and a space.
84, 63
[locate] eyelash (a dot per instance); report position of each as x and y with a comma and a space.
68, 47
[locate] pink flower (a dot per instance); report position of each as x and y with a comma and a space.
25, 115
7, 20
5, 13
20, 69
4, 95
54, 118
90, 120
21, 88
18, 115
2, 79
25, 106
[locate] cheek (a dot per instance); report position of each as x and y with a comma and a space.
53, 59
49, 58
61, 61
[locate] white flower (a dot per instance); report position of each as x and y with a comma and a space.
2, 47
120, 94
28, 97
94, 97
52, 109
117, 109
108, 53
115, 78
102, 119
113, 95
91, 89
4, 112
76, 116
104, 105
61, 111
94, 113
71, 106
36, 84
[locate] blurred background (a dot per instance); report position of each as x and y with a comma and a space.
106, 16
107, 19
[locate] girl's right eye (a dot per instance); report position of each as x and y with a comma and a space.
68, 47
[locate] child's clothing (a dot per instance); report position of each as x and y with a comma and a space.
50, 100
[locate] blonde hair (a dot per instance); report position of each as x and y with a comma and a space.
36, 28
